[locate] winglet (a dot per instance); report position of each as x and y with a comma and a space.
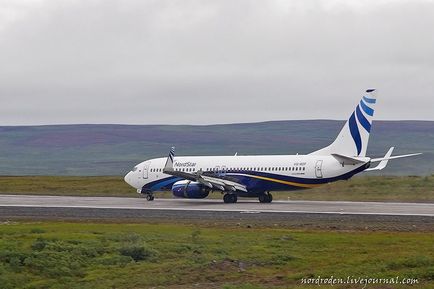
169, 162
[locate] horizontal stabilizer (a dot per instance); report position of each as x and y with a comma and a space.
346, 160
384, 160
395, 157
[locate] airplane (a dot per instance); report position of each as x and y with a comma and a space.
195, 177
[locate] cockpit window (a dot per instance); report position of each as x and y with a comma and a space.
134, 169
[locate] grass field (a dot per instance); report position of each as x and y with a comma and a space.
104, 255
368, 188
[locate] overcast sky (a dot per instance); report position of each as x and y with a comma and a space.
204, 62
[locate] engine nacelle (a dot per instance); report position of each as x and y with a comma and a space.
190, 190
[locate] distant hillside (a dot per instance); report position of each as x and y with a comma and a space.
114, 149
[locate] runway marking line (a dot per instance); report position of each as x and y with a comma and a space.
222, 210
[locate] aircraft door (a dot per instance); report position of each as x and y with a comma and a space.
145, 170
318, 169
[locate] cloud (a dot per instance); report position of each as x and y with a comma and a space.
212, 61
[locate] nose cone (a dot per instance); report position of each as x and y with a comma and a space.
128, 179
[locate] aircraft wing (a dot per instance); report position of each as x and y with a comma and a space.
212, 182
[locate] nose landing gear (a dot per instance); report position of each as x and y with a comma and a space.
149, 197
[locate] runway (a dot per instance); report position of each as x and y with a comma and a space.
209, 205
371, 216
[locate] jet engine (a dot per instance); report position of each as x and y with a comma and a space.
189, 190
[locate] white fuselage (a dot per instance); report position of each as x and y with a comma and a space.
257, 173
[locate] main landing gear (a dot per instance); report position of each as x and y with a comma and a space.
265, 198
230, 198
149, 197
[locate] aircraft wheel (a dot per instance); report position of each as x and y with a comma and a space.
265, 198
149, 197
270, 198
230, 198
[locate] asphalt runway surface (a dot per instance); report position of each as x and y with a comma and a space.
243, 206
296, 214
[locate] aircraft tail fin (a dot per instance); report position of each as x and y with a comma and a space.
354, 137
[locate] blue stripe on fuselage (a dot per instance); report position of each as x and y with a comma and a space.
257, 185
161, 184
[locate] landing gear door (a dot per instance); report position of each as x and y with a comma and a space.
145, 170
318, 169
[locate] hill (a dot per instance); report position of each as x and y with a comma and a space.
114, 149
